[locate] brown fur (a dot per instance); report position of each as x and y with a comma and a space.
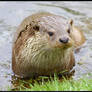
26, 31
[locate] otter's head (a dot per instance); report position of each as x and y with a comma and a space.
55, 31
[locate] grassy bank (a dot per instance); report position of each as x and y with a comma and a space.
61, 85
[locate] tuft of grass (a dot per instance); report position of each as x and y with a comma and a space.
83, 84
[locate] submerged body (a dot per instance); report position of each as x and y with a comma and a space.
44, 44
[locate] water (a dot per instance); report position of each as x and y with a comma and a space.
11, 15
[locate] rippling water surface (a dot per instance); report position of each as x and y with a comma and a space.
11, 15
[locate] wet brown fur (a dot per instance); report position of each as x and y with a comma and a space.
24, 32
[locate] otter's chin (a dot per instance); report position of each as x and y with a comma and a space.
64, 46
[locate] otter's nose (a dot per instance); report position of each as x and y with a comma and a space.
64, 40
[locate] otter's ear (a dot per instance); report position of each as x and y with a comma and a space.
36, 27
71, 22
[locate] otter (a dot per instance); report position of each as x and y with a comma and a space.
44, 44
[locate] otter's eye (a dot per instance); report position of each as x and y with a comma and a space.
50, 33
68, 30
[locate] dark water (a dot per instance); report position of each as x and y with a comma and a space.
11, 15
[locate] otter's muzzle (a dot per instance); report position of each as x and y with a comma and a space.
64, 40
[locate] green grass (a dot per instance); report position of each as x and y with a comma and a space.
83, 84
